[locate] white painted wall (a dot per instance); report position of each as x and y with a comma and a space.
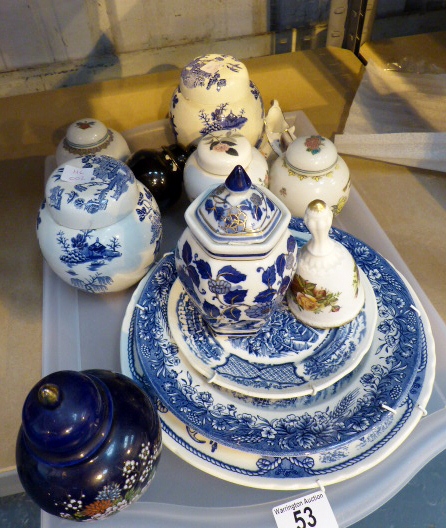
42, 37
47, 44
37, 32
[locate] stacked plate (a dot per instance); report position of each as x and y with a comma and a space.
294, 407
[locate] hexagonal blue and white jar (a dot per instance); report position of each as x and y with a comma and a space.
99, 228
237, 256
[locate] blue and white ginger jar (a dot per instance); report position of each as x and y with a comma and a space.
89, 444
237, 256
98, 227
215, 93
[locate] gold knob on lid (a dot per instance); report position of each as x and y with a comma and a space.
49, 395
317, 206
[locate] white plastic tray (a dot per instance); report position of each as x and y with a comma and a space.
82, 331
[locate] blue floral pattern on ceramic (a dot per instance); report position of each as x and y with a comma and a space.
256, 216
283, 471
81, 249
284, 359
195, 74
315, 424
146, 211
237, 256
255, 91
215, 94
228, 310
282, 340
110, 183
222, 118
86, 249
116, 251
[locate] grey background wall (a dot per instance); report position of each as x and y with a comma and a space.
46, 44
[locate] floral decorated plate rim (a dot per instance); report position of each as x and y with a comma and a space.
335, 352
248, 469
339, 415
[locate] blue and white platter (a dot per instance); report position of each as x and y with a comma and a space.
286, 359
288, 443
283, 472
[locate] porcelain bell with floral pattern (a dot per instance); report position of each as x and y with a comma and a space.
326, 290
89, 444
237, 255
310, 169
215, 93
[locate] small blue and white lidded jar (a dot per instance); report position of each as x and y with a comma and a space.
89, 444
99, 229
237, 256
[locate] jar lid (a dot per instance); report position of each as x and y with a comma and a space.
237, 219
219, 152
311, 154
66, 416
214, 78
91, 192
86, 132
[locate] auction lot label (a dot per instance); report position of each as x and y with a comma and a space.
312, 510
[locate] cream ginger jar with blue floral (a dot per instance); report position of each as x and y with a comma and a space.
310, 169
237, 256
215, 93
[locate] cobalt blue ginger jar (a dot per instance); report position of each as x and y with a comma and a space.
89, 444
237, 255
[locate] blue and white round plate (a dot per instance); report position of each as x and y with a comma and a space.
286, 359
309, 426
285, 472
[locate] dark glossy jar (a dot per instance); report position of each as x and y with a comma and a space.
89, 444
161, 171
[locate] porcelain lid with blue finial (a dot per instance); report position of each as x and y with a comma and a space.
237, 218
